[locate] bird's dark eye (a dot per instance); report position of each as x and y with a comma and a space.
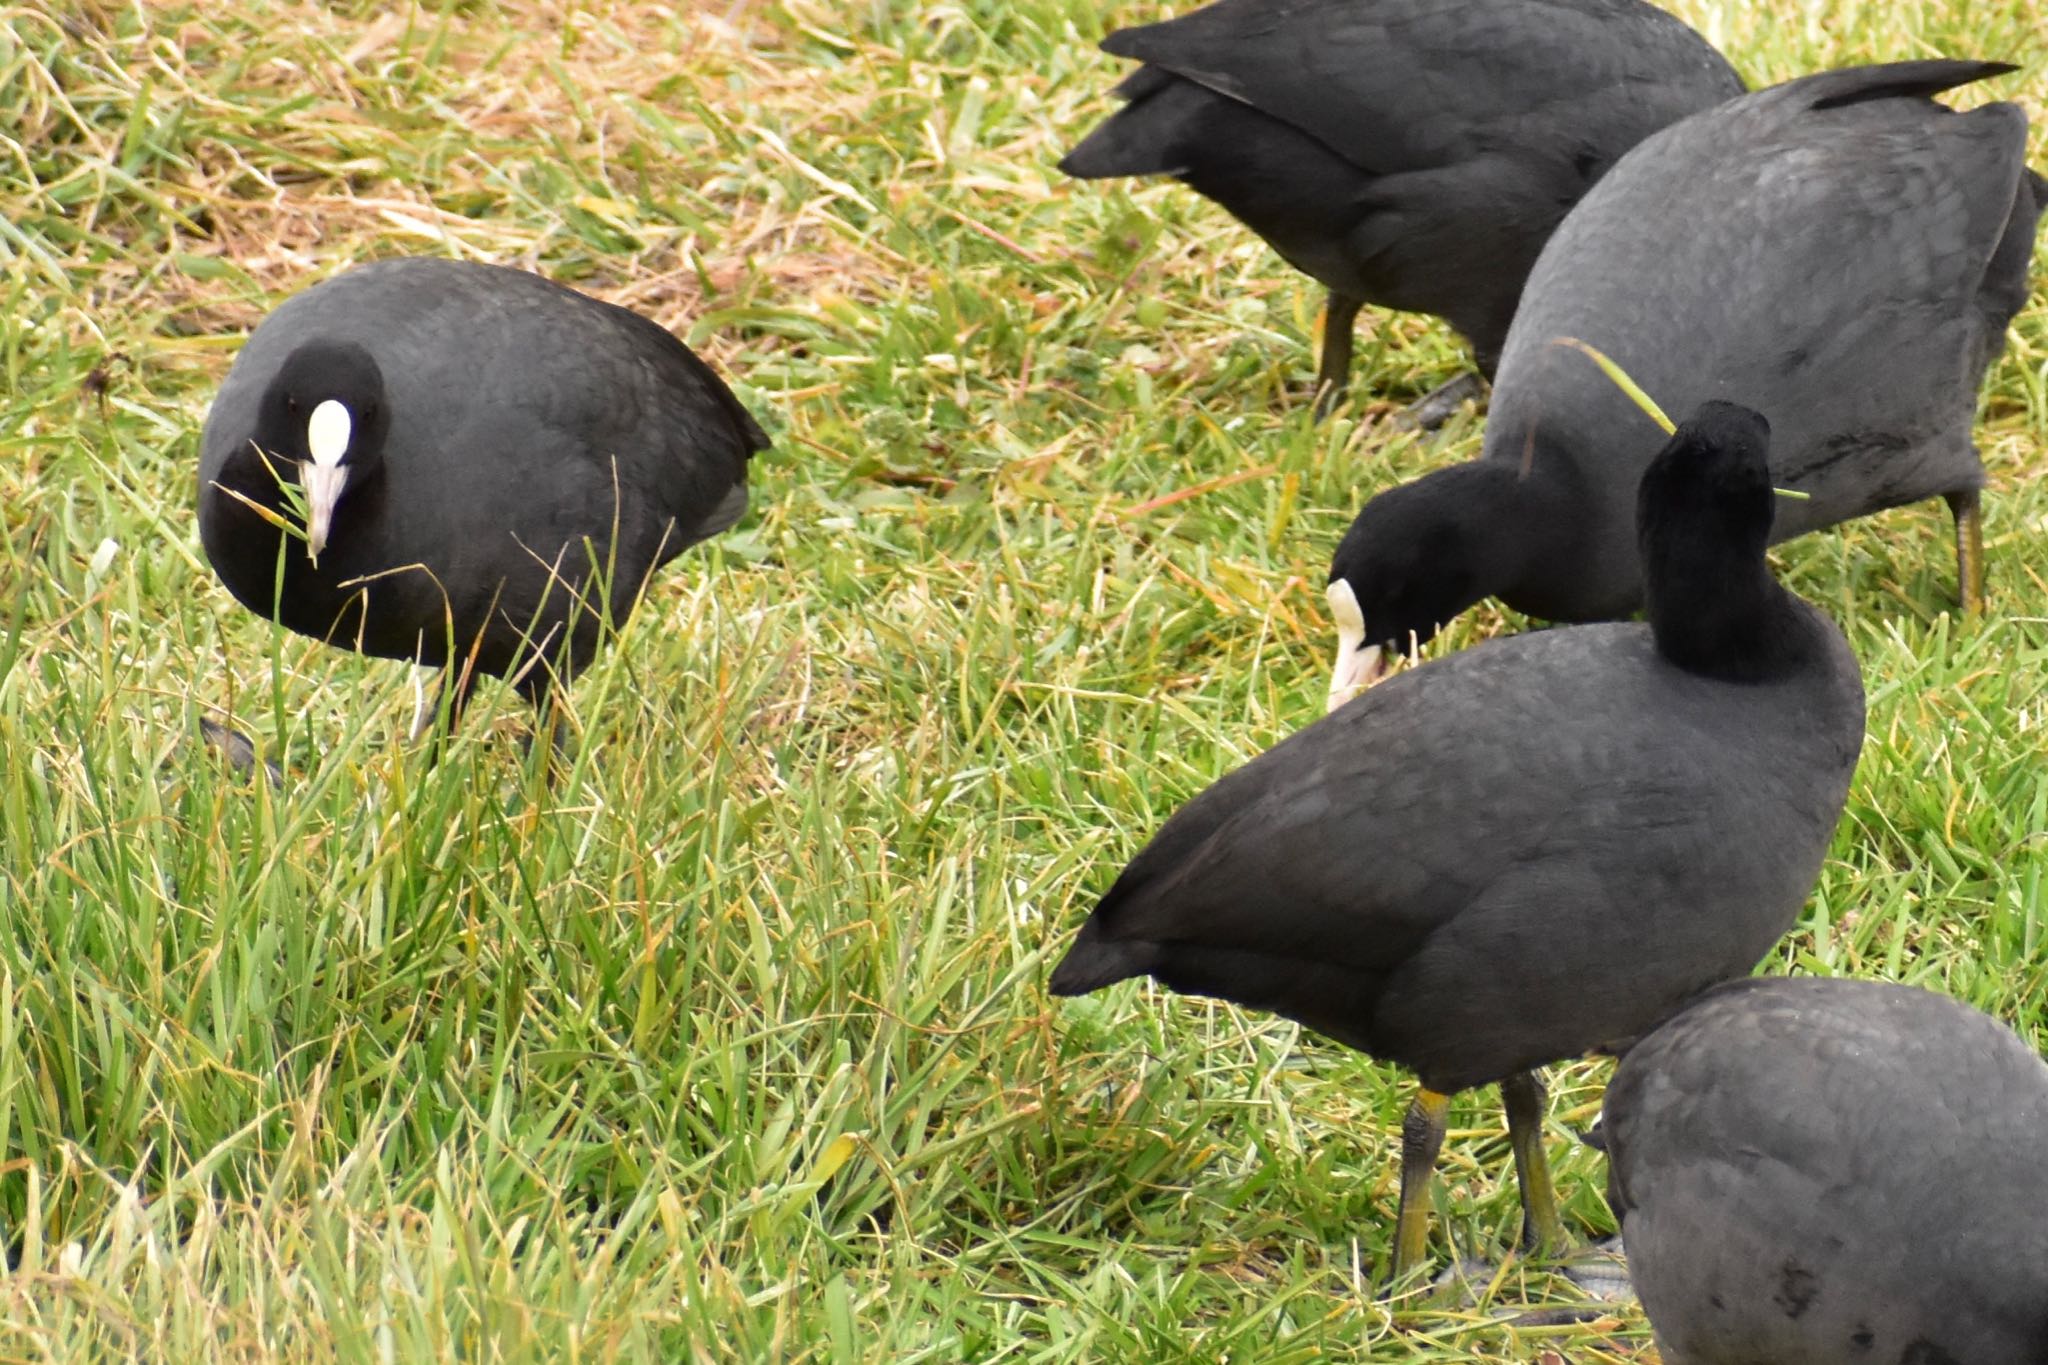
291, 404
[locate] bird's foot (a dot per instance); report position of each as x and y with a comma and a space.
1471, 1275
1600, 1270
1436, 407
238, 749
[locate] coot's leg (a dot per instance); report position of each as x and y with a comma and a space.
1522, 1096
1436, 407
1966, 508
1422, 1137
1333, 379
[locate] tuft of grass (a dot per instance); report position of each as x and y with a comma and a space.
732, 1045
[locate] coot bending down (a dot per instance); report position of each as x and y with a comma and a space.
1529, 849
492, 466
1405, 153
1840, 252
1834, 1173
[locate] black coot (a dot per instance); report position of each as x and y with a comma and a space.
1834, 1173
1405, 153
470, 442
1840, 253
1529, 849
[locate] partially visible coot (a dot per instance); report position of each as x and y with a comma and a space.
1840, 252
491, 467
1405, 153
1529, 849
1834, 1173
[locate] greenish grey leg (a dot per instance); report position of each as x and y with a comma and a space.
1422, 1137
1967, 509
1522, 1096
1333, 379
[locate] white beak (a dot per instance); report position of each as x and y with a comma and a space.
1358, 664
323, 489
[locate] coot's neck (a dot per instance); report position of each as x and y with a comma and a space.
1716, 611
1520, 522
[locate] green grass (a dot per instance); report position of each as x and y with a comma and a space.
734, 1044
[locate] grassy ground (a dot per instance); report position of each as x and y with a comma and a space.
734, 1046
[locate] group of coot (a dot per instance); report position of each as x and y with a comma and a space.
1561, 842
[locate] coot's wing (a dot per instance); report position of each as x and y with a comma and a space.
608, 385
1849, 158
700, 432
1352, 841
1404, 85
1813, 251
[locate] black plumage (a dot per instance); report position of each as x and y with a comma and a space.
1413, 154
1834, 1173
1841, 253
1529, 849
510, 462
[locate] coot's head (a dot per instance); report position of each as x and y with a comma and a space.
1707, 495
324, 419
1703, 519
1410, 563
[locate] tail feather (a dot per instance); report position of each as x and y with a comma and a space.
1094, 962
1896, 80
2007, 277
723, 517
1148, 136
1117, 147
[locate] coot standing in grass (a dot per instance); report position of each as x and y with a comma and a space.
1529, 849
1840, 252
491, 464
1834, 1173
1405, 153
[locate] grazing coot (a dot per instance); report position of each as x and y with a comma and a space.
1530, 849
470, 442
1405, 153
1834, 1173
1840, 253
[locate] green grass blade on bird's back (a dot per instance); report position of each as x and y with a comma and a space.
1623, 381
